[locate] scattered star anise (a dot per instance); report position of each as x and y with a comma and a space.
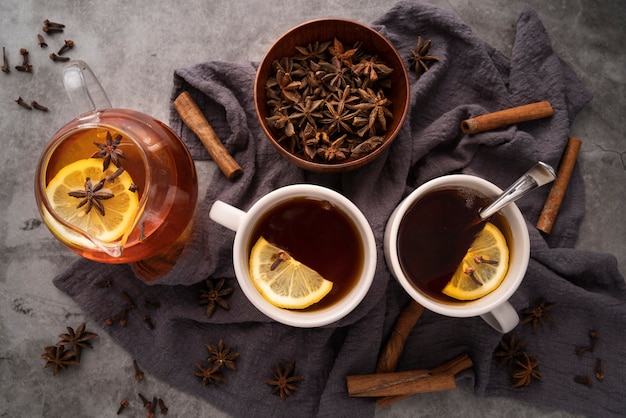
92, 195
109, 152
209, 375
509, 351
222, 356
419, 57
76, 340
58, 358
537, 314
283, 381
524, 370
214, 295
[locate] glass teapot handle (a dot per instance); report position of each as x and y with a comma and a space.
83, 88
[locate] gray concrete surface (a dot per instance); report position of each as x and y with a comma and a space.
134, 47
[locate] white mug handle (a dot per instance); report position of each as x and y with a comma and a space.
226, 215
503, 318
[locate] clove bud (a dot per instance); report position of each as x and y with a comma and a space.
599, 372
42, 42
55, 57
49, 26
69, 44
24, 54
22, 103
583, 380
24, 68
5, 62
123, 404
146, 403
37, 106
162, 407
138, 373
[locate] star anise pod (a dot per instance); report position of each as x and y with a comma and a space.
312, 51
372, 68
338, 50
419, 57
366, 146
338, 116
538, 314
209, 375
214, 295
222, 356
335, 151
307, 112
376, 106
76, 340
524, 370
109, 151
337, 75
283, 381
92, 195
509, 351
58, 358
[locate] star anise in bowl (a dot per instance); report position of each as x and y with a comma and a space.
331, 95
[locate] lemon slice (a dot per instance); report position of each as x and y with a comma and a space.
284, 281
119, 210
483, 268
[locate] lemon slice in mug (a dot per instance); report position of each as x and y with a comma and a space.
284, 281
483, 268
119, 210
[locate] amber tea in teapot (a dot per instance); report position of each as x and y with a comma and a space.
114, 185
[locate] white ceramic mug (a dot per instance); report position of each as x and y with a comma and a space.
494, 307
244, 223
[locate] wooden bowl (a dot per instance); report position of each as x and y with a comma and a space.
349, 33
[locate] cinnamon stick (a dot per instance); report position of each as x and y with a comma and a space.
390, 355
557, 192
451, 367
506, 117
192, 116
409, 382
398, 383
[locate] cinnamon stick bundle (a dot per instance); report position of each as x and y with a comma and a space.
507, 117
192, 116
557, 192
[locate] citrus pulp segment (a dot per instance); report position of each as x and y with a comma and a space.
483, 268
282, 280
119, 210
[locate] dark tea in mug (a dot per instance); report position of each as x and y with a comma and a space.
319, 235
435, 234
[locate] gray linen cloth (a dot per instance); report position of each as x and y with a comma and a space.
470, 79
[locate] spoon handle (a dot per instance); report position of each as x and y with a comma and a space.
540, 174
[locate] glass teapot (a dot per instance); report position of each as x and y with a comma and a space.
114, 185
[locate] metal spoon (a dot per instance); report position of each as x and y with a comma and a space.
540, 174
